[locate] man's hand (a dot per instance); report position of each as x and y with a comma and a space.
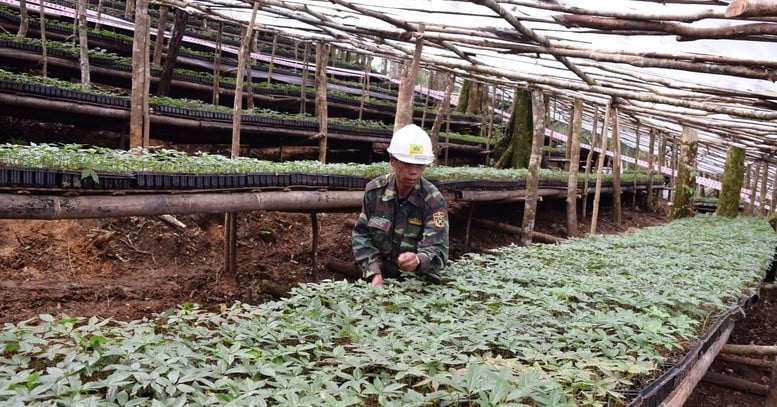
377, 280
408, 261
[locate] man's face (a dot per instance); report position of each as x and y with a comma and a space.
407, 174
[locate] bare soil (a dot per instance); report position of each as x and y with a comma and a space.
131, 268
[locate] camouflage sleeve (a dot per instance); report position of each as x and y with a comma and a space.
434, 246
365, 252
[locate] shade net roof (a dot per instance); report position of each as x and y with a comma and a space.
709, 65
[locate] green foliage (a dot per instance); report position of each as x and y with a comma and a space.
563, 325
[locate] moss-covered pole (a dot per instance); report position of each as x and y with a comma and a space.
574, 166
733, 176
682, 205
533, 177
520, 129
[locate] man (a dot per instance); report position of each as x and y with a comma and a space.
403, 225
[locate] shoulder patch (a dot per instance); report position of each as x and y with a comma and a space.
439, 219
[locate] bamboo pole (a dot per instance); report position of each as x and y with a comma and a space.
304, 81
533, 178
576, 123
272, 58
161, 29
83, 43
681, 392
217, 65
600, 168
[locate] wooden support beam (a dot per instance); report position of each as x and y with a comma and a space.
750, 350
735, 383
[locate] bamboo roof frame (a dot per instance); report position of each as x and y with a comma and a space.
664, 64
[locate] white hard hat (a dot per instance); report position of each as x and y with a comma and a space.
411, 145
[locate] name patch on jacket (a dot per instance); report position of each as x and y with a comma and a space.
415, 221
379, 223
439, 219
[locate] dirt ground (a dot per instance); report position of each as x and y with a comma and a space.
131, 268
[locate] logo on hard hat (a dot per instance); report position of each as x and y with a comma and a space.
415, 149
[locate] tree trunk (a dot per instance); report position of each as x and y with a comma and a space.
365, 86
576, 124
533, 177
322, 111
407, 84
682, 206
520, 129
173, 48
443, 109
733, 175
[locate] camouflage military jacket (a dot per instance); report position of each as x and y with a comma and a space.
388, 226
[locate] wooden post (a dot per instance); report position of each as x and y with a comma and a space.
272, 58
24, 19
314, 248
44, 55
442, 111
533, 177
754, 173
249, 72
574, 166
599, 169
651, 169
322, 111
303, 97
83, 45
365, 86
637, 157
617, 204
217, 65
173, 48
763, 200
469, 223
407, 84
230, 218
161, 29
141, 74
589, 162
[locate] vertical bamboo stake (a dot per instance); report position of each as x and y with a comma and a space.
314, 248
161, 29
44, 57
365, 86
272, 58
637, 157
533, 177
304, 83
249, 72
661, 156
762, 202
599, 169
755, 172
651, 169
617, 205
230, 218
83, 45
217, 65
407, 83
574, 167
442, 111
322, 112
588, 162
141, 74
